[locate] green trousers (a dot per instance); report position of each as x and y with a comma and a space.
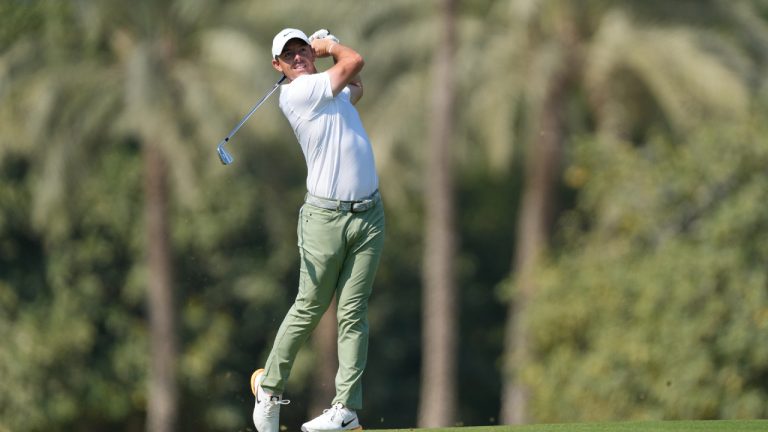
339, 254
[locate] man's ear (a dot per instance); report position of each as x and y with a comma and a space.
276, 65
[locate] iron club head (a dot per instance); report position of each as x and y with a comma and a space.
224, 155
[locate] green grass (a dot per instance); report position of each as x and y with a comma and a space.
649, 426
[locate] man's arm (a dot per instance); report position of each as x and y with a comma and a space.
348, 64
356, 89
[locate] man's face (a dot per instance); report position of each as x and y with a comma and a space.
296, 59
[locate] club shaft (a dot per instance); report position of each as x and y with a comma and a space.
255, 107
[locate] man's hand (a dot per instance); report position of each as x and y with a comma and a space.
322, 42
323, 34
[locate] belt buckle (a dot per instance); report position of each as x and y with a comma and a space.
361, 206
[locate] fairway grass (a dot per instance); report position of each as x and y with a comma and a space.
649, 426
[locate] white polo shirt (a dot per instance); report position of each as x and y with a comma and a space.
340, 163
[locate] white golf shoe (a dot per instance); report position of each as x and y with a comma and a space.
266, 412
337, 418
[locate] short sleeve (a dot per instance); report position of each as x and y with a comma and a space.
308, 95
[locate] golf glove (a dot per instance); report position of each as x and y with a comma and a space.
323, 34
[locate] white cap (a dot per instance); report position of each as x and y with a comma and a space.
283, 37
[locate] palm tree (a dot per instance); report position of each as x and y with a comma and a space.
562, 48
439, 302
542, 167
122, 72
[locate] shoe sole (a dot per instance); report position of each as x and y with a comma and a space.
359, 428
255, 376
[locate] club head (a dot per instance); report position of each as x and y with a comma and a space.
225, 157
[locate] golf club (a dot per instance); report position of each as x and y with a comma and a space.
224, 155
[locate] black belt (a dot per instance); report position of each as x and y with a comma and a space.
346, 206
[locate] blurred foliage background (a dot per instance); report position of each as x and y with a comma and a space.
648, 294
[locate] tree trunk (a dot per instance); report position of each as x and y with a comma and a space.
440, 314
542, 169
162, 400
326, 364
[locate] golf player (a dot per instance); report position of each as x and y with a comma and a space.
340, 228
